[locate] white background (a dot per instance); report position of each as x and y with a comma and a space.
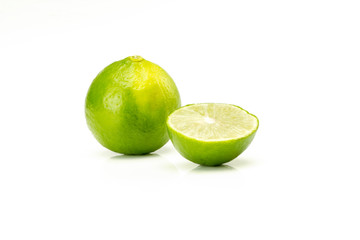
294, 64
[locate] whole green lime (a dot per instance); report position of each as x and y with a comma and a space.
127, 106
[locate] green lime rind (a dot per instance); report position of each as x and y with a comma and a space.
127, 106
212, 152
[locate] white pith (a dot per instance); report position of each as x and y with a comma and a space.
213, 122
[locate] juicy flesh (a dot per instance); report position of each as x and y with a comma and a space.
213, 122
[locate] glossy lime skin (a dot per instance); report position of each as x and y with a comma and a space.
127, 106
209, 153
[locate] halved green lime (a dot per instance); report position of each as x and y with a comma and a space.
211, 133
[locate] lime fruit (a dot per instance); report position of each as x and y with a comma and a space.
211, 133
127, 106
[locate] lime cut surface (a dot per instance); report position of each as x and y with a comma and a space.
211, 133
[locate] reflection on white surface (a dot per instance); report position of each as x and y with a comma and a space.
218, 169
148, 166
166, 164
